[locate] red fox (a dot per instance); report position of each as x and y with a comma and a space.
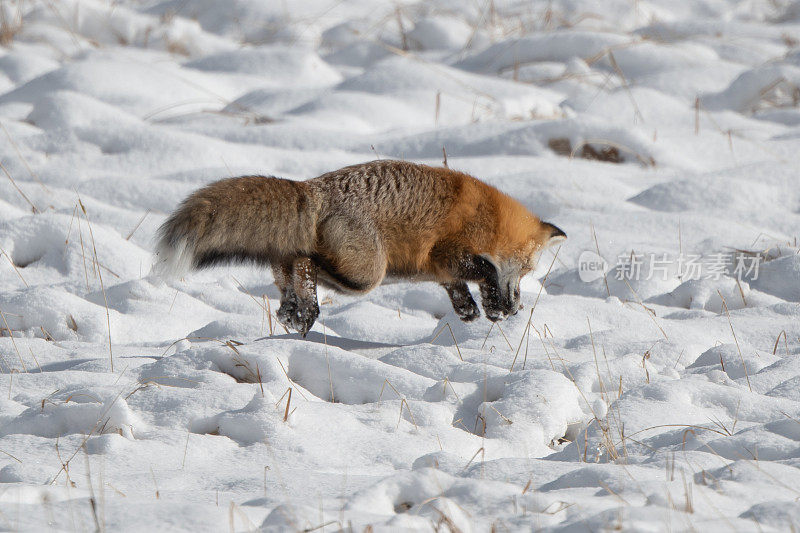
352, 227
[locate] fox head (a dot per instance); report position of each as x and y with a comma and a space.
520, 239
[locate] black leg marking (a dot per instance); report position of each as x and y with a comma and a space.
298, 283
462, 265
463, 303
476, 268
492, 301
480, 269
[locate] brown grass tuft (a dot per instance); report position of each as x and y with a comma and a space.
10, 27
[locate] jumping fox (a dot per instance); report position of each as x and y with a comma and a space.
350, 228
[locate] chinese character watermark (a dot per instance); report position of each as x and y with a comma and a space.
634, 266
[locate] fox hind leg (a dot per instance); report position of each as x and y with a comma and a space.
305, 287
351, 256
463, 303
297, 282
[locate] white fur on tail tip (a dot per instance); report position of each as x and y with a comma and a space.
173, 262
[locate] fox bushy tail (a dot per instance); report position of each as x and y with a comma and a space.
248, 219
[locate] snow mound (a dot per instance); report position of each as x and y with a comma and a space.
734, 361
560, 46
416, 79
780, 277
764, 86
79, 412
440, 33
278, 65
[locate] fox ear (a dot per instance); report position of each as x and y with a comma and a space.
554, 235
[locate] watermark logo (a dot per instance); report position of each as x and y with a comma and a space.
591, 266
638, 267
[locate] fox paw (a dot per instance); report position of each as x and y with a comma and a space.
467, 311
463, 303
490, 298
298, 315
494, 314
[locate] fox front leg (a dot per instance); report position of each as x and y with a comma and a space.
297, 282
463, 303
480, 269
469, 267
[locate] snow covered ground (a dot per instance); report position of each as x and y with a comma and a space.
652, 381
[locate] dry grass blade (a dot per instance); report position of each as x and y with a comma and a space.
401, 28
785, 342
383, 386
19, 153
137, 225
530, 317
615, 66
597, 249
285, 373
8, 454
501, 415
100, 423
327, 360
651, 313
35, 360
186, 446
102, 285
544, 346
444, 389
691, 427
260, 379
436, 117
11, 261
741, 291
608, 489
741, 357
480, 450
10, 28
527, 332
486, 338
83, 253
288, 403
608, 442
266, 308
603, 392
408, 408
697, 115
69, 228
447, 325
14, 183
544, 280
14, 342
92, 499
322, 526
269, 313
505, 338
